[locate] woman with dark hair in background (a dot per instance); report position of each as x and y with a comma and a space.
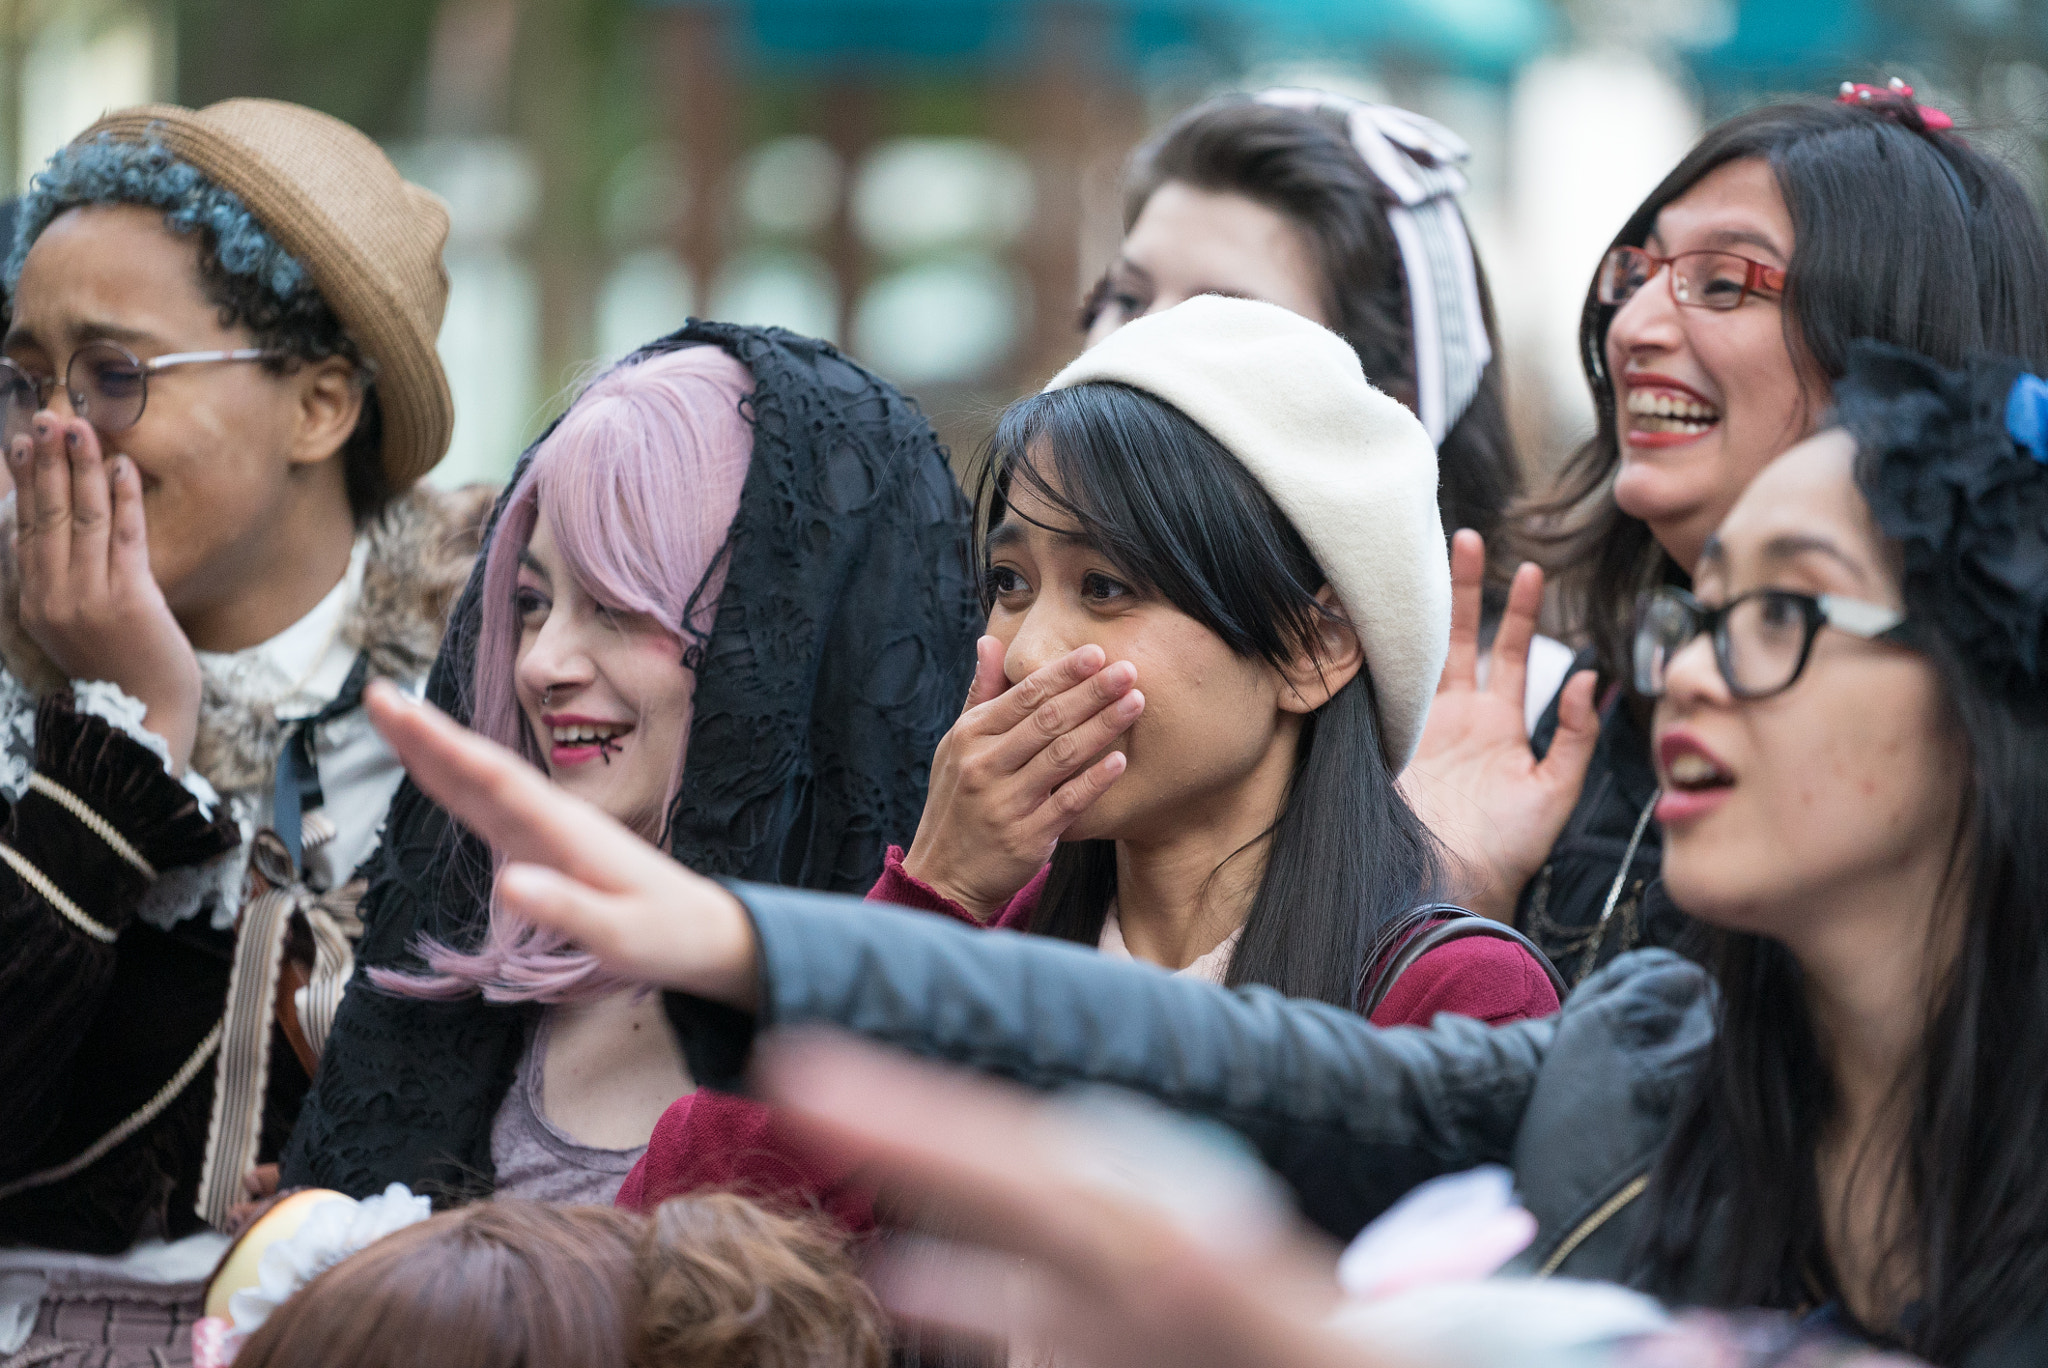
1347, 214
1843, 1113
1717, 320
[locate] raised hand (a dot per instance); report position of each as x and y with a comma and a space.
87, 595
1016, 770
573, 868
1474, 780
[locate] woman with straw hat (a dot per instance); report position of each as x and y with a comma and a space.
219, 389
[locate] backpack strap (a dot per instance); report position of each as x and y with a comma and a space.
1423, 929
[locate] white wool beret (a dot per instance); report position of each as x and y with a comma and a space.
1352, 469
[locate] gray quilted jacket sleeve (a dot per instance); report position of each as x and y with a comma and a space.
1351, 1116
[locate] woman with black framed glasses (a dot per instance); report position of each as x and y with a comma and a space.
1840, 1115
1716, 322
1762, 639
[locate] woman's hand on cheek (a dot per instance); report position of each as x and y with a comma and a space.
1015, 771
571, 867
87, 595
1474, 780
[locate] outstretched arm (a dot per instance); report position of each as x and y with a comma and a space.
572, 867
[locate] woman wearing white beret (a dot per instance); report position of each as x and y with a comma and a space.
1219, 603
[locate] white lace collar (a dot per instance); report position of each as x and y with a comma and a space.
300, 669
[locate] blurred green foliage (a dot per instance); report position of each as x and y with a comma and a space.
359, 60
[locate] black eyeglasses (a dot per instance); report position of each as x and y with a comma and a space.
1761, 639
108, 385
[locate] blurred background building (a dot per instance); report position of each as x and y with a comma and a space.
933, 183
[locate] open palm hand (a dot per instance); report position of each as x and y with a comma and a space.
1495, 806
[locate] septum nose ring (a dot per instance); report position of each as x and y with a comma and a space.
546, 695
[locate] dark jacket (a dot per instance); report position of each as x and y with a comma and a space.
92, 1029
1561, 907
1351, 1116
110, 1049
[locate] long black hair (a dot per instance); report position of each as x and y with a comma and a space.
1177, 514
1301, 164
1968, 1188
1901, 233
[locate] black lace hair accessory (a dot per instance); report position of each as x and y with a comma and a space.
1951, 463
844, 638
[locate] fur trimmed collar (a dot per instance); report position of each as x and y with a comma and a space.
419, 555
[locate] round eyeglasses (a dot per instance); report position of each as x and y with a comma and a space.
1700, 280
108, 385
1761, 639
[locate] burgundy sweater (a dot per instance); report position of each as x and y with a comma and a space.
714, 1140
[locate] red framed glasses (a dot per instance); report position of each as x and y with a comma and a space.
1699, 280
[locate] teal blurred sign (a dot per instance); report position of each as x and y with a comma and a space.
1474, 37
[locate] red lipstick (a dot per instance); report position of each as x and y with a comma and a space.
564, 754
1644, 429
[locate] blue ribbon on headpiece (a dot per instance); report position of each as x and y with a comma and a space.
2026, 416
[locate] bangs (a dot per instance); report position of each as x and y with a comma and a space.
621, 539
1166, 504
1065, 464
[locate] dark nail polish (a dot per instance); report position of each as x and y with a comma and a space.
71, 438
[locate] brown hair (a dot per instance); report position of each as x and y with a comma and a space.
1301, 164
708, 1281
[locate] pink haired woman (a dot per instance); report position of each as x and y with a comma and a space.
676, 618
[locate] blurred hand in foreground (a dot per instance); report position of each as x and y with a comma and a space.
1099, 1229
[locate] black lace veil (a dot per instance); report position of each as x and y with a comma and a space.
841, 648
844, 639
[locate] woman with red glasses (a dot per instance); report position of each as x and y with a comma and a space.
1712, 331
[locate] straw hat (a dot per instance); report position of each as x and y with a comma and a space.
371, 241
1352, 469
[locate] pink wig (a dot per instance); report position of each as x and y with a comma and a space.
639, 483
